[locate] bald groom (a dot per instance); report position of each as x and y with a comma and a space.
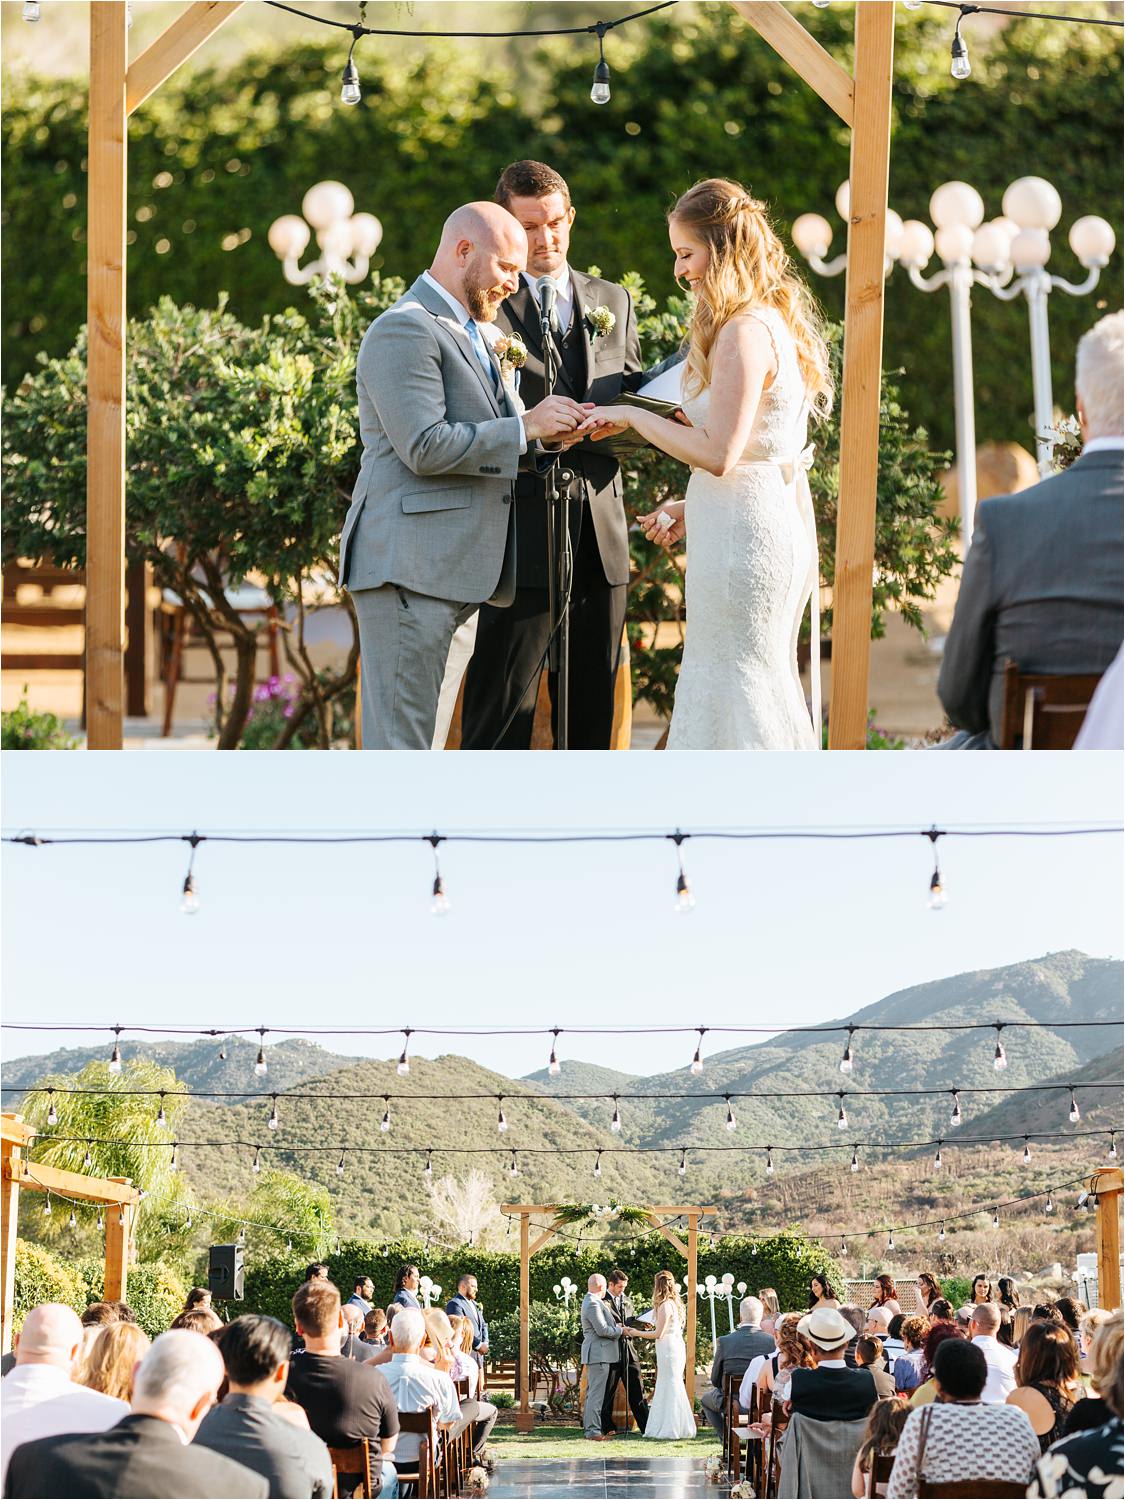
430, 533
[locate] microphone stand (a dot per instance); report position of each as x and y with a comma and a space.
558, 545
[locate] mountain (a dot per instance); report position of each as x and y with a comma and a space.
582, 1078
1100, 1108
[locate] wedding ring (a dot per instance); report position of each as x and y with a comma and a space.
665, 519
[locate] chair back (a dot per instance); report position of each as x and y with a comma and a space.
1043, 712
880, 1472
462, 1388
423, 1474
355, 1460
973, 1489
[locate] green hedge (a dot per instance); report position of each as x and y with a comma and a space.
43, 1277
217, 154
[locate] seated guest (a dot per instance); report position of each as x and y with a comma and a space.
869, 1356
1047, 1380
1042, 584
375, 1328
199, 1296
1103, 728
482, 1414
246, 1425
884, 1428
831, 1392
1088, 1463
318, 1271
793, 1352
878, 1323
940, 1310
345, 1400
886, 1295
1102, 1362
41, 1397
352, 1345
149, 1454
858, 1320
959, 1437
893, 1347
936, 1335
1088, 1325
1006, 1333
464, 1366
125, 1313
362, 1296
1071, 1311
202, 1320
414, 1383
908, 1366
406, 1287
733, 1353
1022, 1319
110, 1361
1001, 1362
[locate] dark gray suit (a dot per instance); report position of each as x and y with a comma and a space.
248, 1429
733, 1353
1042, 585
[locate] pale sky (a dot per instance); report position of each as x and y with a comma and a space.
538, 936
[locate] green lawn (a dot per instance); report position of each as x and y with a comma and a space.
567, 1442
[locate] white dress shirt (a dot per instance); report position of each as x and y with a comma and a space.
1001, 1363
41, 1401
1103, 445
564, 303
416, 1384
750, 1379
463, 316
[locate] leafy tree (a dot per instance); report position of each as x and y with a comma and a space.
555, 1340
297, 1208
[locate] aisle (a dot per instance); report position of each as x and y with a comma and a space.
611, 1477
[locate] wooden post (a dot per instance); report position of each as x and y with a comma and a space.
692, 1277
525, 1421
105, 456
9, 1225
863, 354
1107, 1185
118, 1227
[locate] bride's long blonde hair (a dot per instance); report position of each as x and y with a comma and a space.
748, 267
666, 1289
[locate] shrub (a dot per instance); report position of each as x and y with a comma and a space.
154, 1291
502, 1400
25, 730
42, 1277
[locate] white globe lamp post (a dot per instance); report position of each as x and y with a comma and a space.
346, 240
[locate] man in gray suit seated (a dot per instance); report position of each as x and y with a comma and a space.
733, 1353
601, 1351
430, 532
1042, 584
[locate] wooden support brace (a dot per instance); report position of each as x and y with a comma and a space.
802, 52
672, 1239
174, 46
43, 1178
548, 1234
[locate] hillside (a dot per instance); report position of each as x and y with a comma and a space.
1100, 1108
576, 1077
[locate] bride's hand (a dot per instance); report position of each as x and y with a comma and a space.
656, 530
605, 421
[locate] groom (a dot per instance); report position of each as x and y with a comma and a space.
601, 1352
628, 1367
430, 532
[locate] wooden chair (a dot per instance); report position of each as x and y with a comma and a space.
1043, 712
756, 1446
462, 1449
779, 1421
423, 1475
736, 1427
973, 1489
355, 1460
879, 1472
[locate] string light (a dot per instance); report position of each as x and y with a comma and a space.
996, 1219
501, 1122
959, 65
256, 1165
440, 904
174, 1164
1026, 1152
938, 893
72, 1222
941, 1233
121, 1218
223, 1053
403, 1066
855, 1158
937, 1157
846, 1060
1049, 1205
273, 1122
999, 1057
598, 1165
101, 1222
115, 1055
514, 1169
261, 1067
890, 1240
349, 86
682, 1168
52, 1112
47, 1207
842, 1117
731, 1122
553, 1068
956, 1117
685, 900
697, 1060
189, 903
1075, 1115
161, 1117
843, 1246
88, 1159
599, 93
340, 1166
615, 1123
1112, 1152
769, 1161
429, 1162
385, 1122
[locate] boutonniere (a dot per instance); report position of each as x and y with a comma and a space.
601, 321
511, 351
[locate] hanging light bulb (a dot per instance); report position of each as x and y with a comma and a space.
890, 1239
187, 1221
403, 1067
769, 1161
959, 64
1112, 1152
115, 1055
161, 1117
273, 1122
553, 1068
223, 1053
514, 1169
956, 1117
685, 900
101, 1222
941, 1233
440, 904
88, 1160
843, 1245
174, 1164
31, 11
1049, 1205
385, 1122
47, 1210
128, 15
846, 1060
121, 1218
842, 1117
999, 1057
598, 1165
731, 1122
340, 1166
261, 1067
256, 1165
72, 1222
189, 902
289, 1247
682, 1168
1026, 1152
822, 4
52, 1112
1075, 1114
855, 1157
242, 1235
599, 93
697, 1060
615, 1123
429, 1162
938, 895
937, 1158
996, 1218
501, 1122
142, 1193
349, 84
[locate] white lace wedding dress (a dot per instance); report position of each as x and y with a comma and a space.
670, 1414
751, 569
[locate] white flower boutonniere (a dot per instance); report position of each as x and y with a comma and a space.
601, 321
511, 351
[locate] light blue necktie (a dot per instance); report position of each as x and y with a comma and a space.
477, 340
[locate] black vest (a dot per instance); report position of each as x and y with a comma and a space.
571, 353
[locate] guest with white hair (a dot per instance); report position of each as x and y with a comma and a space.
41, 1398
733, 1354
416, 1384
149, 1453
1042, 584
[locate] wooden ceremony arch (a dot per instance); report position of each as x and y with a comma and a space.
115, 1192
525, 1420
118, 88
1106, 1185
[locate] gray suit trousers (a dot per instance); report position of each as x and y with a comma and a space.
597, 1378
404, 640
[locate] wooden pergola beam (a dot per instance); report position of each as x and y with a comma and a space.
1107, 1185
44, 1179
802, 52
174, 46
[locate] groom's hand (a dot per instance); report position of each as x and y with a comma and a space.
553, 418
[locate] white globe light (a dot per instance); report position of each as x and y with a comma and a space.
1009, 226
288, 236
367, 233
1033, 203
709, 1281
327, 203
956, 203
892, 234
728, 1279
1092, 240
1030, 248
954, 243
917, 243
336, 240
844, 199
991, 247
812, 235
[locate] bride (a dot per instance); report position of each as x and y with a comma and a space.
670, 1415
756, 370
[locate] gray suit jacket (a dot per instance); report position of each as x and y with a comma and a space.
430, 509
247, 1429
734, 1351
601, 1334
1042, 585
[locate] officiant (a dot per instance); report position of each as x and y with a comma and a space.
597, 356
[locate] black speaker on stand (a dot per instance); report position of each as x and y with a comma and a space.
225, 1274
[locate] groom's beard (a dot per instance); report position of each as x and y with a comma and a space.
482, 300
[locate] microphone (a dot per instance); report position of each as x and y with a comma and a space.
548, 296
